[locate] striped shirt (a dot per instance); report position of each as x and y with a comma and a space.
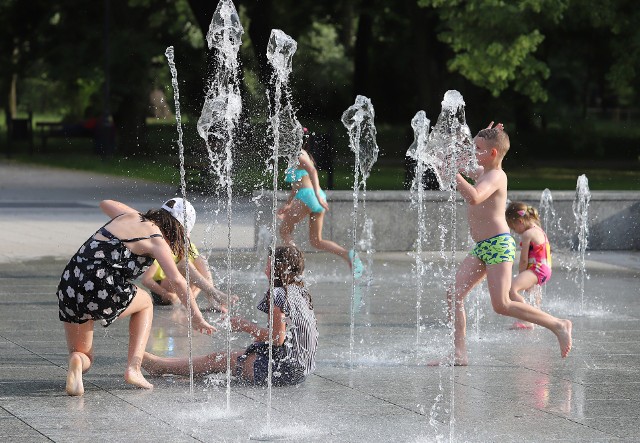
301, 339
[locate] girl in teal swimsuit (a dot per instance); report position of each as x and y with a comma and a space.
307, 199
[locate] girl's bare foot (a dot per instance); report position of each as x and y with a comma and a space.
564, 337
133, 376
74, 376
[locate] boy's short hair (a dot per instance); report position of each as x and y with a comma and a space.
498, 139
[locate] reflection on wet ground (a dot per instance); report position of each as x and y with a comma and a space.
516, 388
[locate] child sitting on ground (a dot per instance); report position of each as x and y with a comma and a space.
534, 266
294, 338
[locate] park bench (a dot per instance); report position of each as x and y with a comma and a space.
46, 130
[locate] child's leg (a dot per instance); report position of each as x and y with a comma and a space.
296, 213
499, 281
141, 312
80, 344
523, 281
202, 364
316, 221
471, 272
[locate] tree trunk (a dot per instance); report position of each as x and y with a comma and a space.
130, 125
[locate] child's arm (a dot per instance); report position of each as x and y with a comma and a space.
206, 285
524, 252
481, 191
284, 207
114, 208
262, 334
307, 164
162, 253
151, 284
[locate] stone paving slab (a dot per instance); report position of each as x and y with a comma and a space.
373, 386
517, 388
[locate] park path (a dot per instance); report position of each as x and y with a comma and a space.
50, 212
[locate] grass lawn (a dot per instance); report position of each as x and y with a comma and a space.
383, 177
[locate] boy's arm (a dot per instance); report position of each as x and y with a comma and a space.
114, 208
481, 191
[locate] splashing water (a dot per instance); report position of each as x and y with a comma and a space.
170, 55
287, 141
359, 121
451, 148
581, 214
419, 152
366, 245
218, 120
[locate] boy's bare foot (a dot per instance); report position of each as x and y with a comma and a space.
525, 325
564, 337
74, 376
134, 376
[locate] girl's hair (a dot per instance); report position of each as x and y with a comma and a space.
521, 211
172, 230
288, 266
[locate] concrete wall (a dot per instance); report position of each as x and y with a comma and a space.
613, 219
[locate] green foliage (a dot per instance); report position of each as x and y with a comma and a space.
495, 42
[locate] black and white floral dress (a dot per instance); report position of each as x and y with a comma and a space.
97, 282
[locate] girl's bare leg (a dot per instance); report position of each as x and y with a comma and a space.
316, 221
141, 312
80, 344
296, 213
499, 281
523, 281
202, 365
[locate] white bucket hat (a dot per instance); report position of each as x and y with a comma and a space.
178, 211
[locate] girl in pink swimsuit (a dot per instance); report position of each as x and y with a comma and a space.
534, 266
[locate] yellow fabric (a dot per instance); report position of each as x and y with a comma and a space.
160, 275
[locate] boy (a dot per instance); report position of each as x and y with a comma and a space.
494, 252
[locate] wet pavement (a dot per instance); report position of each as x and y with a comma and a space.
371, 381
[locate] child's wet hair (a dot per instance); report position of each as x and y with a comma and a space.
171, 229
288, 265
521, 211
498, 139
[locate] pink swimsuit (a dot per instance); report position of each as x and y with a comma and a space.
540, 259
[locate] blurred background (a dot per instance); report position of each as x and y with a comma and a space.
86, 85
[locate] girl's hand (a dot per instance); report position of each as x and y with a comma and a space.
200, 324
323, 203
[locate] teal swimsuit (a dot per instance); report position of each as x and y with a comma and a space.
305, 195
497, 249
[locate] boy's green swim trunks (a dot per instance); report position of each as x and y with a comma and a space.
498, 249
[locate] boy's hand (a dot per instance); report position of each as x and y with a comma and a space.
499, 126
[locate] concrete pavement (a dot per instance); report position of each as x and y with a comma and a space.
371, 381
